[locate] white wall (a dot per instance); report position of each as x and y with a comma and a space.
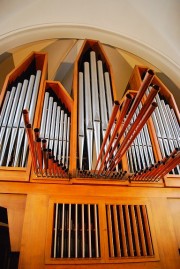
149, 29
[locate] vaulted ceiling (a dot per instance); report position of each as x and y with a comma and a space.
148, 29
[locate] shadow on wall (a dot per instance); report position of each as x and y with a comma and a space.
6, 65
171, 86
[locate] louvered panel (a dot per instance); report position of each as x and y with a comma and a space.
128, 230
76, 231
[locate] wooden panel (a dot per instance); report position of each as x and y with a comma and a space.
34, 231
15, 205
174, 205
167, 244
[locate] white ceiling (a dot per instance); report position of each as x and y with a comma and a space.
149, 29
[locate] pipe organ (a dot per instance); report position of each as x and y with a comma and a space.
73, 146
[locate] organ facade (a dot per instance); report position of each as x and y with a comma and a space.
89, 179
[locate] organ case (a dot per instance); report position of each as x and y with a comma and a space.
18, 76
168, 122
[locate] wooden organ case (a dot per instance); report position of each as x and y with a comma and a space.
89, 180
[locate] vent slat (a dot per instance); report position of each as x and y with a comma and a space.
128, 231
118, 246
110, 233
69, 233
134, 224
147, 230
96, 231
62, 233
143, 242
122, 229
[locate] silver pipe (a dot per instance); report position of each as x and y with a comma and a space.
76, 230
134, 157
163, 118
25, 150
2, 132
53, 120
146, 155
56, 135
88, 104
161, 145
34, 96
55, 231
57, 122
129, 157
169, 127
176, 123
160, 124
4, 147
67, 143
89, 230
14, 105
62, 232
64, 138
103, 107
166, 146
28, 97
55, 148
94, 87
81, 120
151, 155
69, 233
95, 101
146, 131
50, 144
83, 232
9, 107
138, 156
88, 109
96, 231
48, 119
142, 135
141, 149
61, 135
156, 126
11, 145
18, 114
108, 93
44, 115
172, 122
4, 106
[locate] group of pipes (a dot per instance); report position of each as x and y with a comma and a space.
76, 231
124, 131
140, 154
95, 107
13, 141
167, 129
49, 145
158, 170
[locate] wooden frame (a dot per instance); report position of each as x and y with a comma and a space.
21, 173
101, 202
62, 94
134, 83
97, 47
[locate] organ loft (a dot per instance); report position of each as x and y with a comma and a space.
89, 176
